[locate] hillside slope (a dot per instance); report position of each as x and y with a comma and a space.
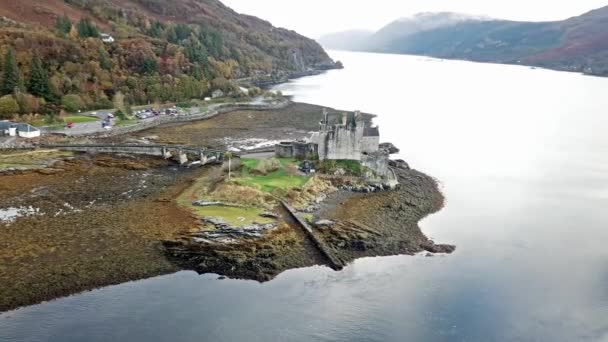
162, 51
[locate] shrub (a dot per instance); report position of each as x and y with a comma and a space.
72, 103
27, 103
267, 165
184, 104
8, 106
120, 115
103, 103
350, 167
255, 91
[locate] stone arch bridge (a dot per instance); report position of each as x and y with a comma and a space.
181, 154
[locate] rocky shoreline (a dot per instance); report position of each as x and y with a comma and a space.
350, 224
81, 232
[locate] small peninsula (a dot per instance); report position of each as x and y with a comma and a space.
78, 218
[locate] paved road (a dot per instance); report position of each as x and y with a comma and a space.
95, 127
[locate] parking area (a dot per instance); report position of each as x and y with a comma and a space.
148, 113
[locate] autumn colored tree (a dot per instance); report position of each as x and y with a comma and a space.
72, 103
8, 107
10, 75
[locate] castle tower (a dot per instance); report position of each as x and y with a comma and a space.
325, 122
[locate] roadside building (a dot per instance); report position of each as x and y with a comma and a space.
17, 129
106, 38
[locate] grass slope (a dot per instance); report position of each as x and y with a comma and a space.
279, 179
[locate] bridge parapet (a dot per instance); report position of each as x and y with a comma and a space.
182, 154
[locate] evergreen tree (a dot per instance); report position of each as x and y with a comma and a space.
63, 25
149, 65
197, 72
10, 75
87, 29
104, 61
38, 84
156, 29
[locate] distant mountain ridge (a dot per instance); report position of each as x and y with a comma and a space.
577, 44
400, 28
403, 27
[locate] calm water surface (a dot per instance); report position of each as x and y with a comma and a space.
522, 156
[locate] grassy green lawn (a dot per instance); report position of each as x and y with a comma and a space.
234, 216
279, 179
80, 119
72, 118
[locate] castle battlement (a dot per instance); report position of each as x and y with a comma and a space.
346, 138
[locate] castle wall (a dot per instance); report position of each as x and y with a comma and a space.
377, 162
339, 144
303, 150
370, 144
283, 150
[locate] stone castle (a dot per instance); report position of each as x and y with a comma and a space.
347, 139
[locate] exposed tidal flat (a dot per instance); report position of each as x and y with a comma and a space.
97, 220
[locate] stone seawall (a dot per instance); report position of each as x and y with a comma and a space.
334, 262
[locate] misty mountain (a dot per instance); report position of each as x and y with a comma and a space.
404, 27
398, 29
346, 40
576, 44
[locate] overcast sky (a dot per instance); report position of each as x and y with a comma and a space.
314, 18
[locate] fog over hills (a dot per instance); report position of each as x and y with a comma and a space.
576, 44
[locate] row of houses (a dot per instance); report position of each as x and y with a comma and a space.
17, 129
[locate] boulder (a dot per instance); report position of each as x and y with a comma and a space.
399, 164
205, 203
324, 224
431, 247
389, 148
268, 214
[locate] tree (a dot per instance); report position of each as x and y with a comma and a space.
87, 29
8, 107
38, 84
119, 102
10, 76
149, 65
28, 104
104, 61
72, 103
63, 25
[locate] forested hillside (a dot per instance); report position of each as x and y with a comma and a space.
53, 57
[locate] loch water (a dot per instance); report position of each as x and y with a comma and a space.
522, 157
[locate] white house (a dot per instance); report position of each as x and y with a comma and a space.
217, 93
22, 130
106, 38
